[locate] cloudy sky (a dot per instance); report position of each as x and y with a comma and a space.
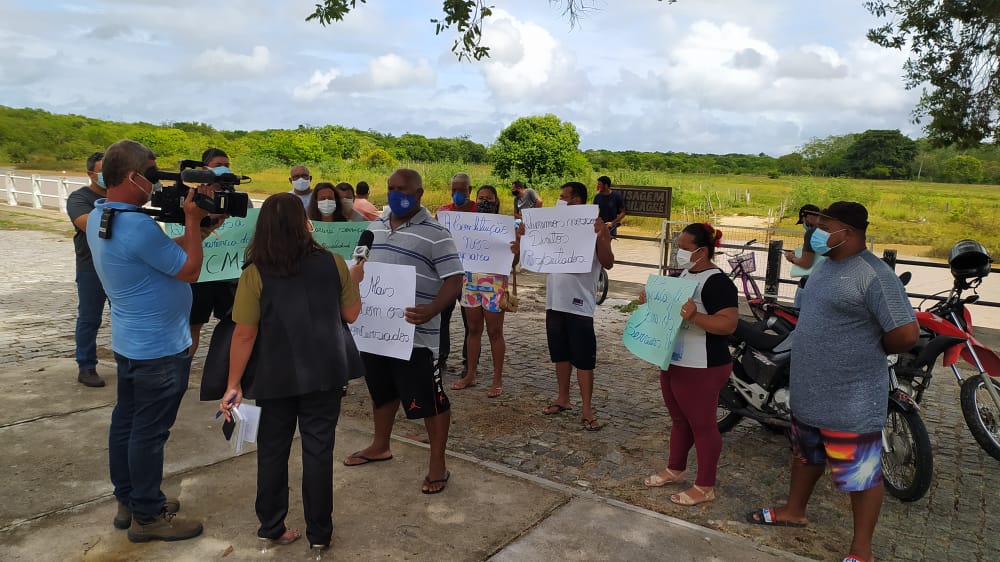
716, 76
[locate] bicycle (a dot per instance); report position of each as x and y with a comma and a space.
743, 264
602, 286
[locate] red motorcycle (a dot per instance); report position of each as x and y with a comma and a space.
950, 318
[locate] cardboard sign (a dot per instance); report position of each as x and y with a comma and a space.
339, 237
386, 292
559, 239
483, 240
225, 248
651, 331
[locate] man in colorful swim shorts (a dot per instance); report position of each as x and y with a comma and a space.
858, 313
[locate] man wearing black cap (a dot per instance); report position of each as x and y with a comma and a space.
856, 313
808, 215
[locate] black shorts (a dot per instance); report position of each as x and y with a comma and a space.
209, 297
571, 338
415, 383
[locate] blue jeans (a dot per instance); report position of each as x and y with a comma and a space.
149, 394
89, 312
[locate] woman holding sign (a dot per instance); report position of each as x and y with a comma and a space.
699, 367
481, 296
292, 305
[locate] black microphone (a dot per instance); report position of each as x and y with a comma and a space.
208, 176
364, 246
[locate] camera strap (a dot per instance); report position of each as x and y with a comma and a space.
107, 216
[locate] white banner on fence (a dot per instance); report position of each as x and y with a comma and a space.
386, 292
483, 240
559, 239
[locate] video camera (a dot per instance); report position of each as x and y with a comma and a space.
170, 199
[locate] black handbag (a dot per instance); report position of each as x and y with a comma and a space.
215, 373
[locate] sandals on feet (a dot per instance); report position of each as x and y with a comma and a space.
765, 516
592, 424
687, 499
555, 409
462, 385
494, 392
286, 538
655, 480
429, 482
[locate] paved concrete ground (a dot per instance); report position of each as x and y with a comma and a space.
53, 481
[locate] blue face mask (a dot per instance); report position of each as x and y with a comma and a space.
100, 180
459, 198
819, 239
401, 204
219, 170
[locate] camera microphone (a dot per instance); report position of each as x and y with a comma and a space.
208, 177
364, 246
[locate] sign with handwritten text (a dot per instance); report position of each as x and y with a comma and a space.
559, 239
652, 330
386, 292
339, 237
483, 240
223, 249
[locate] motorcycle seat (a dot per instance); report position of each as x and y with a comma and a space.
757, 338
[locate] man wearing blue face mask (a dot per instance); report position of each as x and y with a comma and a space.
211, 296
90, 293
409, 235
461, 188
856, 313
806, 258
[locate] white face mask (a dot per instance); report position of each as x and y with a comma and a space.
301, 184
560, 203
684, 258
327, 206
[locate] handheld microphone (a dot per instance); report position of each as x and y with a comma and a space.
364, 246
208, 177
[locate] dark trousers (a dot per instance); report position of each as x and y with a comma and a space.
316, 414
89, 312
149, 394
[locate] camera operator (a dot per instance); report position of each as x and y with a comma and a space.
211, 296
146, 277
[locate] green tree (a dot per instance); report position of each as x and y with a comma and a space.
536, 146
880, 154
826, 156
963, 169
465, 16
793, 164
955, 48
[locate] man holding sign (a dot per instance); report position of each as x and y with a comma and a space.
570, 299
410, 236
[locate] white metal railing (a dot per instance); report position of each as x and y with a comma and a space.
39, 198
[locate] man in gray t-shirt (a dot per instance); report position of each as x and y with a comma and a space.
857, 312
524, 198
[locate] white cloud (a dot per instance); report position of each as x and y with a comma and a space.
220, 61
318, 84
393, 71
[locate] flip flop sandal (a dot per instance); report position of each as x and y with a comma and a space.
462, 385
555, 409
853, 558
429, 482
365, 460
592, 424
286, 538
765, 516
494, 392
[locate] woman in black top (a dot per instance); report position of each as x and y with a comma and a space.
292, 307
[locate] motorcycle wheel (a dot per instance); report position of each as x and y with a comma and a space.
981, 414
725, 417
907, 459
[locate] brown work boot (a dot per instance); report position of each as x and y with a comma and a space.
89, 377
123, 519
164, 527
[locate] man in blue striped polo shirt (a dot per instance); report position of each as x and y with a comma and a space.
409, 235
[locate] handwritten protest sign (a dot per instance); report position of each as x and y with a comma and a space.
483, 240
559, 239
339, 237
386, 292
652, 330
224, 248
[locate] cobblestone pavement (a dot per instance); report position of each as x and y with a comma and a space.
37, 315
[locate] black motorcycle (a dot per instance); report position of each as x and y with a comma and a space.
758, 389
